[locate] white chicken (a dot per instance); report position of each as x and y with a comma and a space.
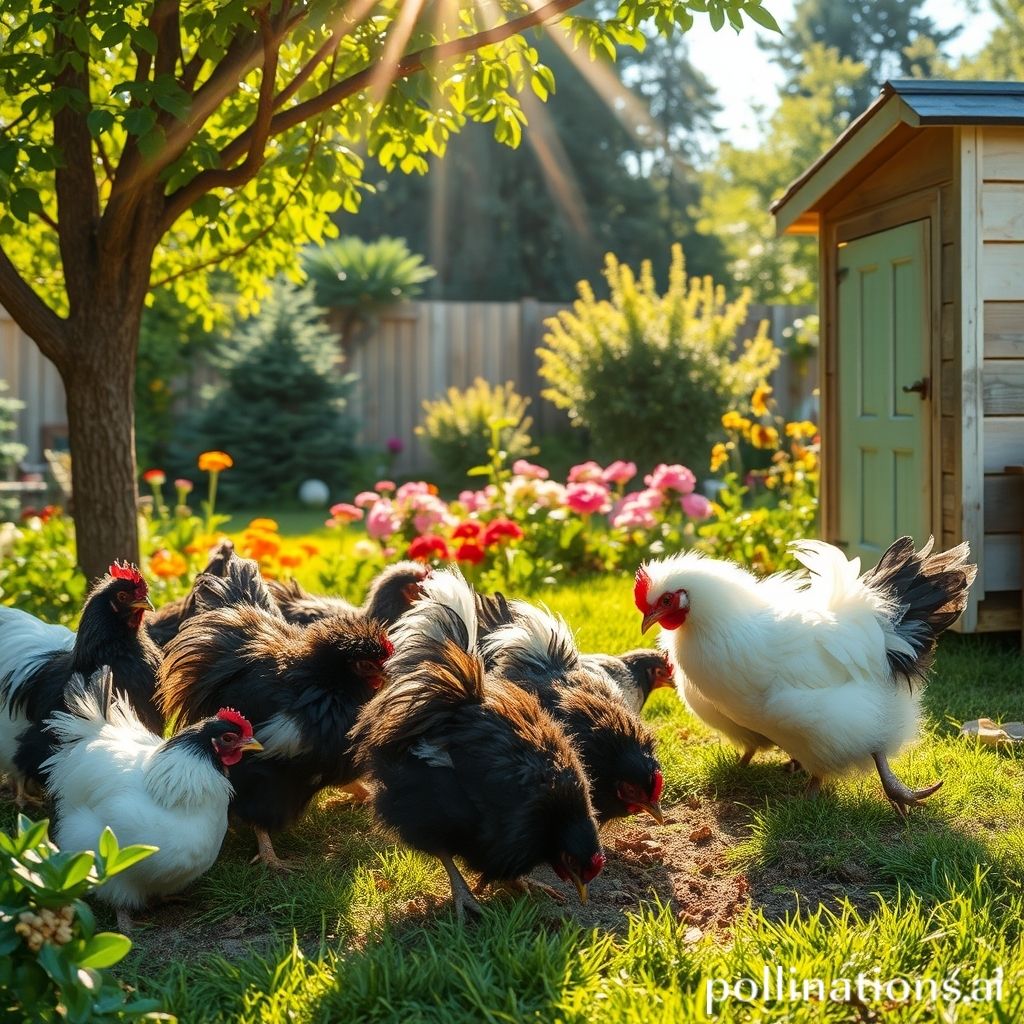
109, 770
827, 664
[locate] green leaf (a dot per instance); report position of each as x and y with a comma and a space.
76, 870
138, 120
764, 18
104, 950
99, 121
129, 855
107, 847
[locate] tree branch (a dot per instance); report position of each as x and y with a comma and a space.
164, 25
30, 313
262, 233
403, 68
74, 179
236, 176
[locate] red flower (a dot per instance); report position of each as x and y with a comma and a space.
470, 552
155, 477
501, 528
428, 546
470, 528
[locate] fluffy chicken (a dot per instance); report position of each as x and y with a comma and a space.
110, 770
537, 652
827, 664
467, 765
37, 660
302, 687
391, 594
165, 622
635, 674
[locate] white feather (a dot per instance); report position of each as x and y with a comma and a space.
26, 642
113, 772
281, 737
446, 588
796, 659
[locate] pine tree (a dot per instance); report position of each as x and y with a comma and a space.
282, 410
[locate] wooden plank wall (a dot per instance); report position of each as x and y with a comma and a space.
416, 353
1002, 292
35, 381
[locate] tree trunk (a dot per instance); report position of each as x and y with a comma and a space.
100, 384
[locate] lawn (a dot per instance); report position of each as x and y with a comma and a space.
746, 873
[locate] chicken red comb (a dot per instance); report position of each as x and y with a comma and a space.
389, 647
657, 785
231, 715
126, 571
641, 589
594, 868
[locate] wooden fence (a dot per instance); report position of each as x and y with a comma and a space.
415, 353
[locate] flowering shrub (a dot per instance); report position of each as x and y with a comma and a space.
758, 512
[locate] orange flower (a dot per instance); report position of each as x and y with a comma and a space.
311, 549
264, 524
759, 402
214, 462
260, 544
290, 559
166, 563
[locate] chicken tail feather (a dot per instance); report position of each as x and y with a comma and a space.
926, 594
535, 643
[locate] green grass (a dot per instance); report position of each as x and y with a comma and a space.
362, 932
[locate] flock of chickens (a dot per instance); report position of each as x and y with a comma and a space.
474, 723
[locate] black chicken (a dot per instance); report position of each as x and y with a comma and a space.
536, 651
472, 767
301, 687
37, 660
165, 622
635, 674
391, 594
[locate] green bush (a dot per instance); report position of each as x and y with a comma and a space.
52, 959
38, 570
458, 428
282, 408
649, 375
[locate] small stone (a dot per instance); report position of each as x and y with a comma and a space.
693, 802
701, 834
693, 935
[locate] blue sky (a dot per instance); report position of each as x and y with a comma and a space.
743, 76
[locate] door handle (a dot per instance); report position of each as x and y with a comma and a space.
920, 386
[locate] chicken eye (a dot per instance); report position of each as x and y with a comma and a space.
665, 600
229, 738
122, 596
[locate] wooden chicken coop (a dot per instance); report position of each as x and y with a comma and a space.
919, 213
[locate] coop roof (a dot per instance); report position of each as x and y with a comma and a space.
902, 106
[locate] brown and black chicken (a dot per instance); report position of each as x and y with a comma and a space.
465, 764
301, 687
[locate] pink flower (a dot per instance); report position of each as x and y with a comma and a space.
406, 491
475, 501
671, 478
183, 486
523, 468
585, 471
632, 516
383, 486
382, 520
586, 497
395, 445
696, 506
343, 514
365, 498
619, 472
365, 549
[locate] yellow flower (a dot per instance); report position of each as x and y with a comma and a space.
214, 462
732, 420
166, 563
759, 403
763, 437
803, 428
719, 457
264, 524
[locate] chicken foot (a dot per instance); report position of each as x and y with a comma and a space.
267, 855
900, 795
125, 924
461, 895
522, 887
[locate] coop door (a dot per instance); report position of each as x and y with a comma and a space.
883, 390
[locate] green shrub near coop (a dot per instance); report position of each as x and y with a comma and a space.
282, 409
649, 374
458, 428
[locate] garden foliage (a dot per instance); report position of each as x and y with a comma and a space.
658, 369
282, 408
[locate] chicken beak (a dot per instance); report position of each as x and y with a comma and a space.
649, 620
581, 886
655, 811
251, 743
145, 603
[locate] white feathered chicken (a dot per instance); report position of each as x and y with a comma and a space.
827, 664
173, 794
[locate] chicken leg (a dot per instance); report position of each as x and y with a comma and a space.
901, 796
522, 887
267, 855
124, 921
461, 895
